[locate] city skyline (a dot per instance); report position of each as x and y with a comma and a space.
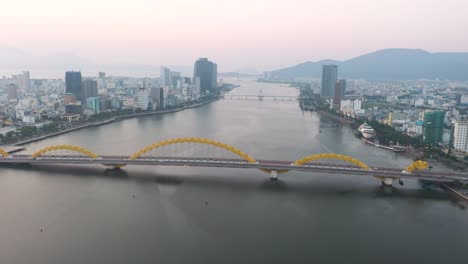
260, 131
243, 37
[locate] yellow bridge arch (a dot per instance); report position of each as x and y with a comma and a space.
64, 147
218, 144
335, 156
416, 165
4, 153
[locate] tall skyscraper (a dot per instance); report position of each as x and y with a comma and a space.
162, 100
342, 83
89, 89
460, 135
23, 81
12, 91
338, 93
329, 75
433, 127
214, 77
207, 72
73, 84
102, 80
165, 77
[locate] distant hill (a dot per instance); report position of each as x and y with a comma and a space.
389, 64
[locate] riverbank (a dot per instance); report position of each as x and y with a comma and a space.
334, 117
453, 192
108, 121
411, 152
392, 148
408, 151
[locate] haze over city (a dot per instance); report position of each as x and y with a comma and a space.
248, 36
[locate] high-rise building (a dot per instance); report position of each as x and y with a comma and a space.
73, 84
176, 80
23, 81
165, 77
460, 135
162, 98
102, 80
196, 86
342, 83
12, 91
89, 89
214, 77
329, 75
143, 97
433, 127
116, 103
155, 97
207, 72
105, 104
340, 88
69, 99
93, 103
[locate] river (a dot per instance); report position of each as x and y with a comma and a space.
86, 214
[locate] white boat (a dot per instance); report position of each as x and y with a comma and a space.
367, 131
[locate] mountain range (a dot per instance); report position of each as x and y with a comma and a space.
389, 64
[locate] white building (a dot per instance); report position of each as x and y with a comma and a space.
419, 102
143, 99
392, 98
460, 136
415, 129
357, 105
464, 99
346, 106
29, 119
5, 130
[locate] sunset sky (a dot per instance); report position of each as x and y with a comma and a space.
257, 34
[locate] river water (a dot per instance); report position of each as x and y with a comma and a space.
86, 214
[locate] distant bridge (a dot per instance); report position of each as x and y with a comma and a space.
196, 152
262, 97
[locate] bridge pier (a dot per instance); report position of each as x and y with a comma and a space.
274, 175
114, 166
387, 181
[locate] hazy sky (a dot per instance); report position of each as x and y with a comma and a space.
237, 34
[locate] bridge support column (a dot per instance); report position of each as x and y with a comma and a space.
274, 175
113, 166
387, 181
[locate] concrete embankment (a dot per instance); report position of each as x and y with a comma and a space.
334, 117
453, 192
12, 149
24, 142
71, 129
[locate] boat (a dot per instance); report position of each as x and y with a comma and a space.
357, 133
367, 131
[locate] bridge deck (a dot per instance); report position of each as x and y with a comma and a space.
113, 160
